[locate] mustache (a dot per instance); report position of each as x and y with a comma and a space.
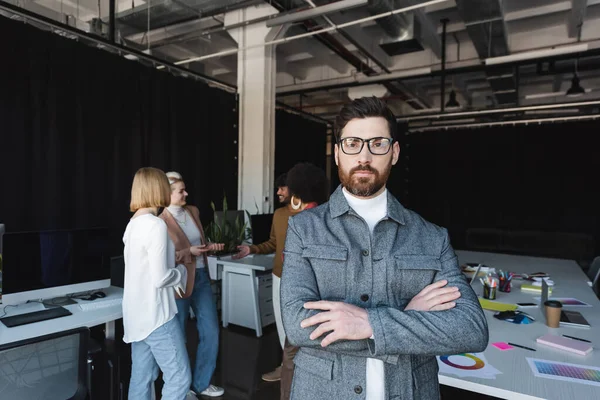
367, 168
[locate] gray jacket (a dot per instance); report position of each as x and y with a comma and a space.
330, 255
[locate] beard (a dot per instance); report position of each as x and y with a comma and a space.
365, 186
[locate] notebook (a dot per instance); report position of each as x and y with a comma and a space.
573, 318
563, 343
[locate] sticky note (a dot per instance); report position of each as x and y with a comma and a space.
496, 306
502, 346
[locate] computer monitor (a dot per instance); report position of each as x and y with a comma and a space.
1, 234
232, 216
44, 265
261, 227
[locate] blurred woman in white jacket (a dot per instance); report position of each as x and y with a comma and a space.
151, 279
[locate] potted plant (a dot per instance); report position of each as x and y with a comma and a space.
228, 227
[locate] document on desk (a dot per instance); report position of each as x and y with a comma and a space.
464, 365
584, 374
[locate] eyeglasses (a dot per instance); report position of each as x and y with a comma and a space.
378, 146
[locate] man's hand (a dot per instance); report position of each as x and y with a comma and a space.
243, 251
344, 321
434, 297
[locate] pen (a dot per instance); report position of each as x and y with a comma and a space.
576, 338
523, 347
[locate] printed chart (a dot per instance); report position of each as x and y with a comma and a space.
585, 374
467, 365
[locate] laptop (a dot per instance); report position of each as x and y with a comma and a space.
475, 274
544, 297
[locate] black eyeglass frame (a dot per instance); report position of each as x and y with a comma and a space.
368, 141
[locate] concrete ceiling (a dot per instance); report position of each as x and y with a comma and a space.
313, 73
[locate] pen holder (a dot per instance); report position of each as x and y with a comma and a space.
504, 285
489, 292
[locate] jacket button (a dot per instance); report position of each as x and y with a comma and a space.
364, 297
365, 252
358, 389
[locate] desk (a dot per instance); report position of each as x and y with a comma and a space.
79, 319
247, 298
517, 380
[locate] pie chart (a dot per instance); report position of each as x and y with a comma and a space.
478, 362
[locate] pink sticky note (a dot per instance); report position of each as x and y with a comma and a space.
502, 346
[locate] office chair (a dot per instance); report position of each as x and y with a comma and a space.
594, 275
49, 367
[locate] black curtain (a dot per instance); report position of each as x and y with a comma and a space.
540, 178
298, 139
77, 122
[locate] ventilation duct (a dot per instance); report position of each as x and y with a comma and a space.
484, 20
168, 12
402, 30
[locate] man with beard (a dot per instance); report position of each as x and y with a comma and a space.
371, 292
283, 193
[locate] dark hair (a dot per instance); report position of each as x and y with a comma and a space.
308, 183
363, 108
281, 181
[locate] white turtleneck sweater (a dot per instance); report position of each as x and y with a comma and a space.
372, 211
186, 223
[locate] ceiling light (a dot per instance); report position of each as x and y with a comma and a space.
575, 90
452, 103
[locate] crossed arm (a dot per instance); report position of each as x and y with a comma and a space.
436, 321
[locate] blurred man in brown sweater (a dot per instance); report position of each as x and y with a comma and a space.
275, 245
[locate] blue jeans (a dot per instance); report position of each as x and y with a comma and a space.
207, 323
165, 349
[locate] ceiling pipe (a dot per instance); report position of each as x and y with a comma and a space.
503, 123
499, 110
313, 33
443, 80
315, 12
298, 111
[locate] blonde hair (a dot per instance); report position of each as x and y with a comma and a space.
150, 188
174, 177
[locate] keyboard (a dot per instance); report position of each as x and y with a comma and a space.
37, 316
99, 304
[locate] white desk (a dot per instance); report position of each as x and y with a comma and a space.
107, 315
240, 292
517, 380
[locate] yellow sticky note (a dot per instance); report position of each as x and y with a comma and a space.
531, 288
496, 306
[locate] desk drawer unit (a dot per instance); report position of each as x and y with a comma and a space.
240, 299
264, 286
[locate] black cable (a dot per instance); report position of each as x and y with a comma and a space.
4, 310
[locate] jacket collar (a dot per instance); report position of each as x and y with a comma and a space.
339, 206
